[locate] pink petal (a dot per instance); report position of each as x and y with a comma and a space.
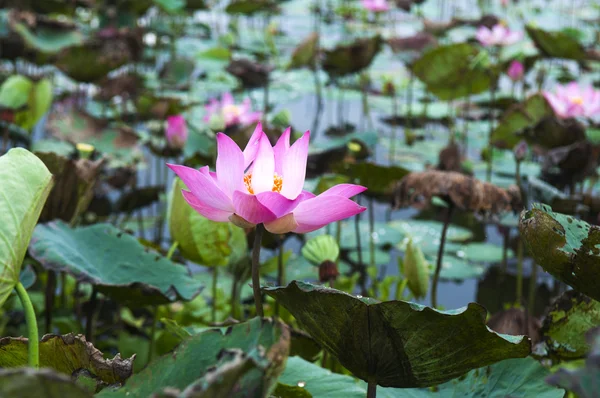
277, 203
345, 190
573, 89
209, 212
294, 167
227, 99
203, 186
252, 146
557, 105
248, 207
280, 149
315, 213
250, 117
282, 225
230, 164
263, 166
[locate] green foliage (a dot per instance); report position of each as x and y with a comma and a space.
556, 44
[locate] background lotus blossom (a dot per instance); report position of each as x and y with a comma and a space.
231, 113
176, 131
270, 192
376, 5
515, 71
574, 100
499, 35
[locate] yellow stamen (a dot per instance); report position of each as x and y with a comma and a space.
277, 183
232, 110
577, 100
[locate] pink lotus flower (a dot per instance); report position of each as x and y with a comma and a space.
176, 132
499, 35
270, 191
231, 113
574, 100
515, 71
376, 5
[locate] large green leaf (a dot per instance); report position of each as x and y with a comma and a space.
566, 323
201, 240
523, 377
264, 342
24, 186
48, 40
396, 343
518, 118
67, 354
14, 91
449, 71
377, 178
113, 261
556, 44
26, 383
352, 58
564, 246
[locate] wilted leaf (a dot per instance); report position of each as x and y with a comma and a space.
249, 7
264, 342
464, 192
305, 53
139, 198
377, 178
24, 186
352, 58
385, 340
564, 246
114, 261
67, 354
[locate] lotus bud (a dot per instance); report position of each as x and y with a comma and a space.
521, 150
328, 271
515, 71
176, 131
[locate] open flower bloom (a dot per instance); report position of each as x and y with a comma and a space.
574, 100
515, 71
264, 184
376, 5
499, 35
176, 131
231, 113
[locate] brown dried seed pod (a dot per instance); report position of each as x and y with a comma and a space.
462, 191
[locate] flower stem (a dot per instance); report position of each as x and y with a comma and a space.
152, 333
32, 329
519, 294
214, 293
532, 289
438, 267
280, 270
255, 268
372, 388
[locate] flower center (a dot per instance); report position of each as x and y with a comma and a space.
277, 183
232, 110
577, 100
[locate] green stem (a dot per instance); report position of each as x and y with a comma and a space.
214, 293
172, 249
372, 388
255, 269
438, 267
280, 270
32, 329
400, 286
490, 146
519, 295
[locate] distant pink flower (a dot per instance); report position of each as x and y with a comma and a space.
231, 113
270, 192
376, 5
515, 71
574, 100
176, 132
499, 35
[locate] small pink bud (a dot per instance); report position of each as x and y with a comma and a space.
516, 70
176, 132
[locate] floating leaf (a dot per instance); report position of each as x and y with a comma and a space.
483, 253
567, 321
201, 240
249, 7
25, 382
67, 354
113, 261
264, 342
321, 248
384, 340
449, 73
47, 40
556, 44
352, 58
24, 186
429, 233
383, 234
565, 247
